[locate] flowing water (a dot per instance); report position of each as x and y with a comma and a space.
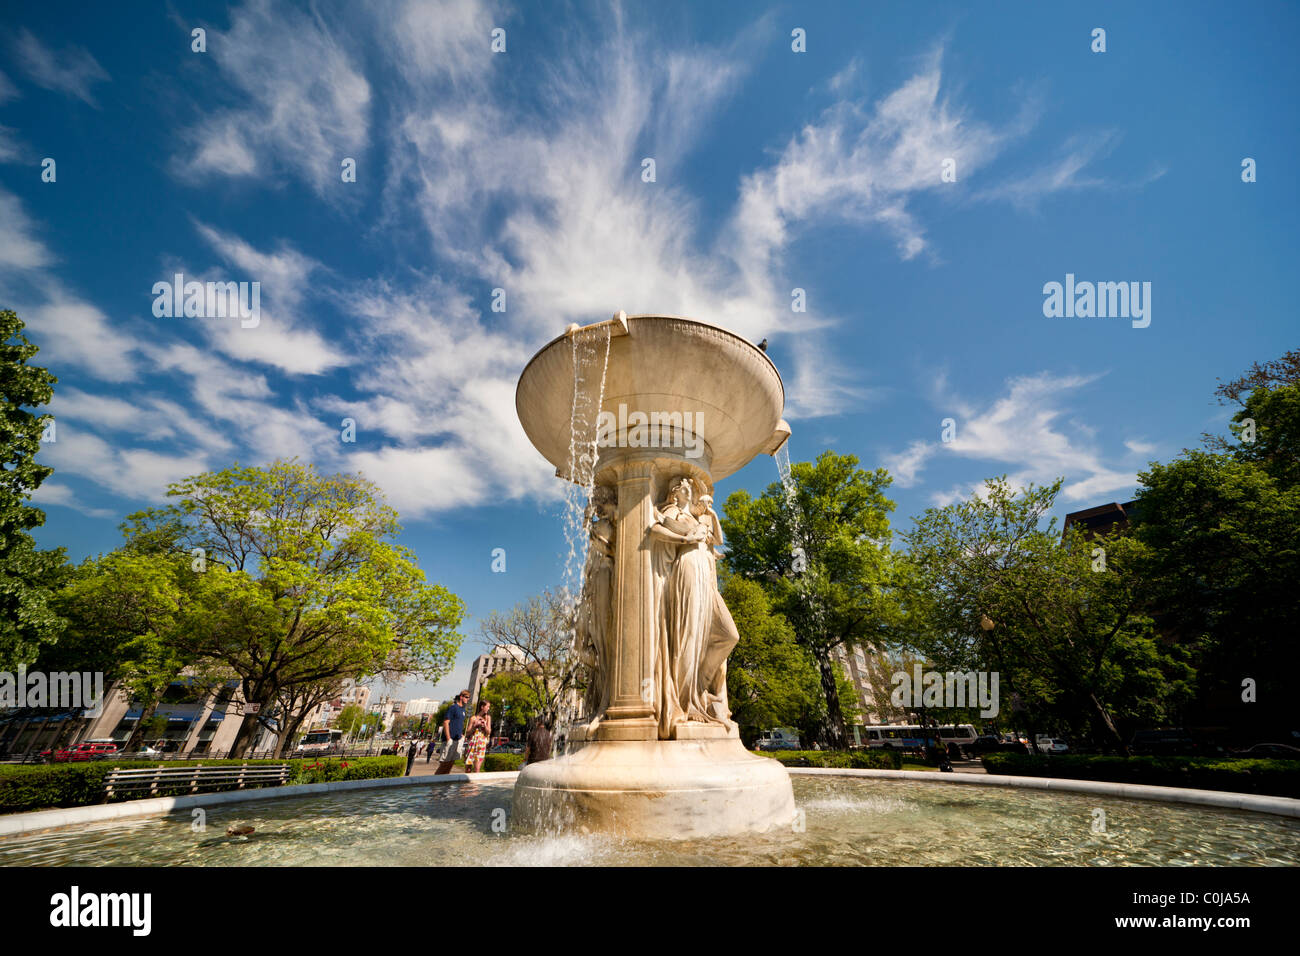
851, 822
590, 350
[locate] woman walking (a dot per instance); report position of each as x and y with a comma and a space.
479, 732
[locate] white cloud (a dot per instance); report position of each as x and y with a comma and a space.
132, 473
54, 494
74, 71
7, 89
906, 466
72, 332
306, 103
9, 146
1019, 433
279, 338
19, 247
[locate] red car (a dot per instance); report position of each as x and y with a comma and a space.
88, 751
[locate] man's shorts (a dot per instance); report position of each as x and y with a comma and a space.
451, 751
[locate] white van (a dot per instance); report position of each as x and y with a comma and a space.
778, 738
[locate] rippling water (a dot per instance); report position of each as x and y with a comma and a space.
852, 822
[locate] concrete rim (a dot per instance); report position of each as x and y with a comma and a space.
15, 824
1225, 799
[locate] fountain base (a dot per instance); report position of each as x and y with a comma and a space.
655, 789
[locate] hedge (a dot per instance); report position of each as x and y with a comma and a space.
37, 787
503, 762
1277, 778
874, 759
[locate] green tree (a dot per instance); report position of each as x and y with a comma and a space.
350, 719
1222, 527
28, 577
514, 701
771, 680
126, 611
1063, 622
302, 583
822, 555
1223, 539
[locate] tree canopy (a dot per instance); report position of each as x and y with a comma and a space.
297, 582
821, 553
28, 576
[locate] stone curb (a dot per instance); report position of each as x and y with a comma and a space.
1283, 806
16, 823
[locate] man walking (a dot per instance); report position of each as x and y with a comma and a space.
411, 752
453, 726
539, 742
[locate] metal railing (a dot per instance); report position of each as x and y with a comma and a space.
192, 779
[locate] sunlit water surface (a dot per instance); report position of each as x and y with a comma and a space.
848, 822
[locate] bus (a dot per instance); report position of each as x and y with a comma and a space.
322, 740
912, 736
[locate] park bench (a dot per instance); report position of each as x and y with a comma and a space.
195, 778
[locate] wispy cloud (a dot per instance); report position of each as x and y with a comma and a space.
304, 101
1019, 433
72, 71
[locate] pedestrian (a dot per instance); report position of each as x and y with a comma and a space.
411, 751
453, 725
478, 733
428, 753
539, 742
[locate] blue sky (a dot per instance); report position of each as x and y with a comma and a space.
522, 170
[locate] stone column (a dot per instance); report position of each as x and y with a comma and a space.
630, 715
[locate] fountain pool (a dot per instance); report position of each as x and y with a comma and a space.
846, 821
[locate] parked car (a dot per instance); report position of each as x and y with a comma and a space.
1051, 745
777, 739
90, 750
1269, 751
509, 747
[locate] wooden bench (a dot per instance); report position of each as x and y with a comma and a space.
141, 781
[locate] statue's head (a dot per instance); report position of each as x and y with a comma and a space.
680, 491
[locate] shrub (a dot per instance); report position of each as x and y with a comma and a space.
348, 768
503, 762
37, 787
1279, 778
874, 759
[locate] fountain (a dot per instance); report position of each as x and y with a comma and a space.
657, 774
681, 403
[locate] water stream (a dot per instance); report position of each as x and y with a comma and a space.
590, 349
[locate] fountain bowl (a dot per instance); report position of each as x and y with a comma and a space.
662, 363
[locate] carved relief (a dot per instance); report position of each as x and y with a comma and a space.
596, 609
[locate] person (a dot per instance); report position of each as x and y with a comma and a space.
453, 725
428, 753
411, 751
539, 742
478, 732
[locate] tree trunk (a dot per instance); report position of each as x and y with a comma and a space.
290, 731
133, 742
1108, 725
833, 726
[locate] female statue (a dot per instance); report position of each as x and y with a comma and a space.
596, 608
696, 632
